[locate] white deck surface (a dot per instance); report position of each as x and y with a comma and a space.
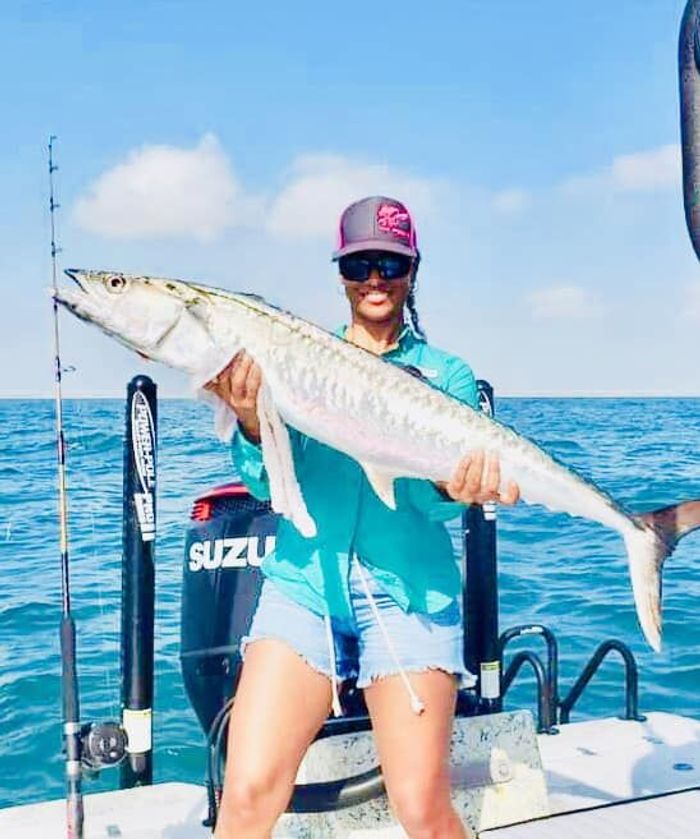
675, 816
587, 764
163, 811
592, 763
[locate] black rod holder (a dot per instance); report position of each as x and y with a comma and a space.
138, 580
480, 599
689, 84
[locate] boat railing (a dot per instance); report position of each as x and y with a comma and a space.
547, 678
546, 713
550, 709
591, 668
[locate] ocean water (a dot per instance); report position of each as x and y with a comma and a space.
567, 573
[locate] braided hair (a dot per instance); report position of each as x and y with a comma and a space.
411, 301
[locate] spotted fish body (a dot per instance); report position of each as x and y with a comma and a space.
392, 423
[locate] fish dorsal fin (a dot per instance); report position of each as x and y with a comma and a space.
285, 493
382, 482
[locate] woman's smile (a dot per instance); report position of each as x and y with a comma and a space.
378, 300
376, 296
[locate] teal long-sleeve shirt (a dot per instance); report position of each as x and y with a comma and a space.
408, 549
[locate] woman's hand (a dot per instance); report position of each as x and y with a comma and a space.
238, 385
476, 481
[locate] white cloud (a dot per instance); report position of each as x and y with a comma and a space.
691, 301
655, 169
564, 303
321, 185
164, 191
643, 171
510, 201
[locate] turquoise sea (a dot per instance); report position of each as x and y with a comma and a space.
566, 573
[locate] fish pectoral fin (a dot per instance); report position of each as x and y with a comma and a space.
382, 482
285, 492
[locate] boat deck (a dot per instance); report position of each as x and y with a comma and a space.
672, 816
606, 778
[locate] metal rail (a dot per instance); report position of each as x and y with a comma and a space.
631, 681
549, 687
546, 713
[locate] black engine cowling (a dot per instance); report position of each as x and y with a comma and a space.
231, 533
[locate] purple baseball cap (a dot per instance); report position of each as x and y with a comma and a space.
376, 223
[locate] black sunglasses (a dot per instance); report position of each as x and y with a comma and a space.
357, 267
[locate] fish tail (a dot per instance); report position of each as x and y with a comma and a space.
648, 546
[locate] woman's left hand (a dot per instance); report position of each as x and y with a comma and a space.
476, 481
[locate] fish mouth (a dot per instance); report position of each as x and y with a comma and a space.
74, 274
76, 301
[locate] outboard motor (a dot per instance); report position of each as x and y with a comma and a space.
230, 535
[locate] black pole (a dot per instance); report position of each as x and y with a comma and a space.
481, 650
689, 83
138, 580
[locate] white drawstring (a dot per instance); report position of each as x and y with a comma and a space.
337, 708
417, 705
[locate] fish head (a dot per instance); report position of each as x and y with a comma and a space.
138, 311
187, 326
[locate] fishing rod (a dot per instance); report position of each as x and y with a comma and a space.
92, 746
69, 673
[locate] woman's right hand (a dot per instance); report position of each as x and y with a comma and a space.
238, 385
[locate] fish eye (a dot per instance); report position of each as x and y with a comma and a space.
115, 284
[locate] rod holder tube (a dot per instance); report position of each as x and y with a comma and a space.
689, 84
138, 580
481, 647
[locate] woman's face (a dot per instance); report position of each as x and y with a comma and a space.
376, 300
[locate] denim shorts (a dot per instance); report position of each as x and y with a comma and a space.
421, 642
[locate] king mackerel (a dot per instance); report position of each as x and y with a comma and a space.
391, 422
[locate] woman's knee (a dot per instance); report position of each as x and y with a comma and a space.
424, 810
255, 797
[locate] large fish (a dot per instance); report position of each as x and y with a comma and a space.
394, 424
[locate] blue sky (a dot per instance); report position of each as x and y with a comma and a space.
535, 141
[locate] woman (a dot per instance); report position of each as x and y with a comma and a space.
375, 594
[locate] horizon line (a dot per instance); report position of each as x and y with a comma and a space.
511, 395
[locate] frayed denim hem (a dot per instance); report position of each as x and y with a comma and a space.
465, 679
247, 640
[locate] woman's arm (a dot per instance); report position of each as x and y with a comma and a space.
238, 385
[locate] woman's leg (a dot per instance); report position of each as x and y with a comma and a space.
281, 703
414, 752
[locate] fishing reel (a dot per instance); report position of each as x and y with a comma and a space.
103, 744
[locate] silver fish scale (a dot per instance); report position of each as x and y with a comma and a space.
353, 401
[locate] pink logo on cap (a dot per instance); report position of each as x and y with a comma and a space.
394, 220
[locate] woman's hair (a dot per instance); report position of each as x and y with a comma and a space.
411, 301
